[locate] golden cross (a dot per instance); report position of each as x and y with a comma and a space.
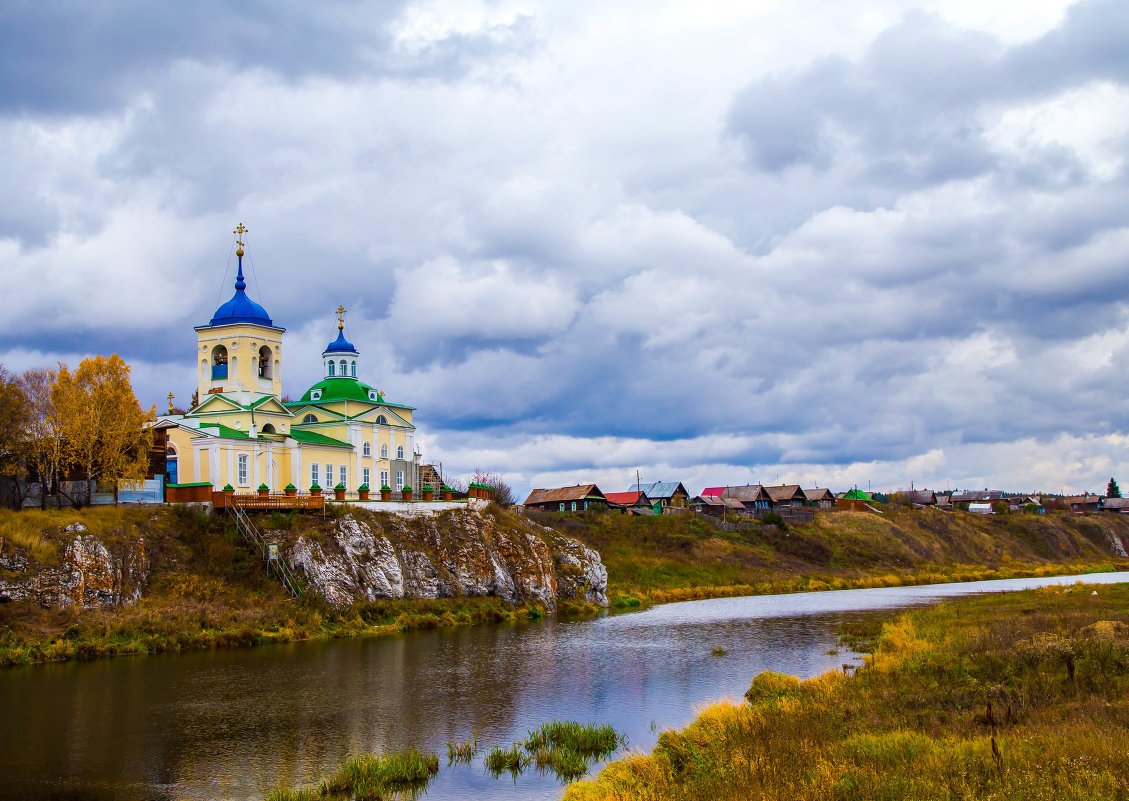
239, 231
340, 317
171, 396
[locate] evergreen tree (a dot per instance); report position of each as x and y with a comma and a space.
1112, 490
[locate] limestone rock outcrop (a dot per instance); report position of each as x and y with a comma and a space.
367, 556
90, 575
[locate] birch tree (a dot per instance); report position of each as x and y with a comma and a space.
42, 444
13, 432
106, 433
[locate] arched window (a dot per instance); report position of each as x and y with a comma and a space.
353, 369
367, 450
219, 362
310, 418
381, 420
264, 362
269, 428
384, 450
331, 366
400, 452
344, 372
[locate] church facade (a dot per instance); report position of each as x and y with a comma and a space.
241, 433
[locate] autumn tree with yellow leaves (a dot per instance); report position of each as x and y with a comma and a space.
105, 432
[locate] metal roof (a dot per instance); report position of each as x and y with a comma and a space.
557, 494
663, 489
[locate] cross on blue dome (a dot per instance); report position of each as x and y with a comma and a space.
241, 309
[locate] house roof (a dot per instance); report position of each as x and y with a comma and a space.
784, 492
819, 494
978, 495
663, 489
579, 492
714, 500
856, 495
921, 496
1084, 499
749, 493
626, 498
224, 431
712, 491
1115, 503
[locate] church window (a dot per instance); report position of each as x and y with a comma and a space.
268, 428
384, 450
219, 362
367, 476
384, 478
343, 372
353, 369
310, 418
399, 451
242, 462
314, 475
343, 475
367, 450
264, 362
381, 420
329, 475
331, 368
399, 480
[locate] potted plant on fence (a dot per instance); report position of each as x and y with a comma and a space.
428, 492
315, 490
263, 490
339, 492
406, 494
448, 493
290, 490
363, 492
386, 493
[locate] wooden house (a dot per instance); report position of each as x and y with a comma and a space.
819, 497
751, 496
631, 501
716, 506
786, 495
666, 493
578, 498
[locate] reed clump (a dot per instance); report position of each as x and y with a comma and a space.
1020, 695
462, 752
369, 776
512, 760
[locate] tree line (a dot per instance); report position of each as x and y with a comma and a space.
55, 422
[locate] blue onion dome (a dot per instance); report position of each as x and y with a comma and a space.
241, 309
340, 345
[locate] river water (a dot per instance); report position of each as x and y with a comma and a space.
234, 724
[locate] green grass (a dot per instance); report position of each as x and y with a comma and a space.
666, 558
512, 760
462, 752
372, 775
1016, 696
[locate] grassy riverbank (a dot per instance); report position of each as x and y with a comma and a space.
1024, 695
208, 590
683, 557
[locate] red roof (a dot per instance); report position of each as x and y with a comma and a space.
625, 498
714, 491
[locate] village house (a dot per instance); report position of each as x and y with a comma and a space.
666, 493
577, 498
1085, 503
786, 495
715, 506
635, 502
819, 497
751, 496
1116, 505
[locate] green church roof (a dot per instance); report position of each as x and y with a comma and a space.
338, 388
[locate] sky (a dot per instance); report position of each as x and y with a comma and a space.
834, 244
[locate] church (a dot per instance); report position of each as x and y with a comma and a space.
241, 433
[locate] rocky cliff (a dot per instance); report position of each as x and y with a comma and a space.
360, 556
91, 574
365, 556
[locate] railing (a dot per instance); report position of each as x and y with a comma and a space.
219, 371
277, 565
222, 500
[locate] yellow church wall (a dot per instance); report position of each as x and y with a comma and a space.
242, 342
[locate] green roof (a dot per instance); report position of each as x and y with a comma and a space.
228, 433
341, 388
857, 495
316, 439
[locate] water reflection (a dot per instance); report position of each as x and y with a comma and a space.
235, 724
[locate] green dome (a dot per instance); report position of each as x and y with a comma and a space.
338, 388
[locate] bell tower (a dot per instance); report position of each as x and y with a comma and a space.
239, 351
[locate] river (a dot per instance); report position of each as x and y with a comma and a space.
234, 724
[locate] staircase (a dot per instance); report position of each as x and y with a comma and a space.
278, 565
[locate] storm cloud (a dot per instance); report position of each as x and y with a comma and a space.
885, 243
